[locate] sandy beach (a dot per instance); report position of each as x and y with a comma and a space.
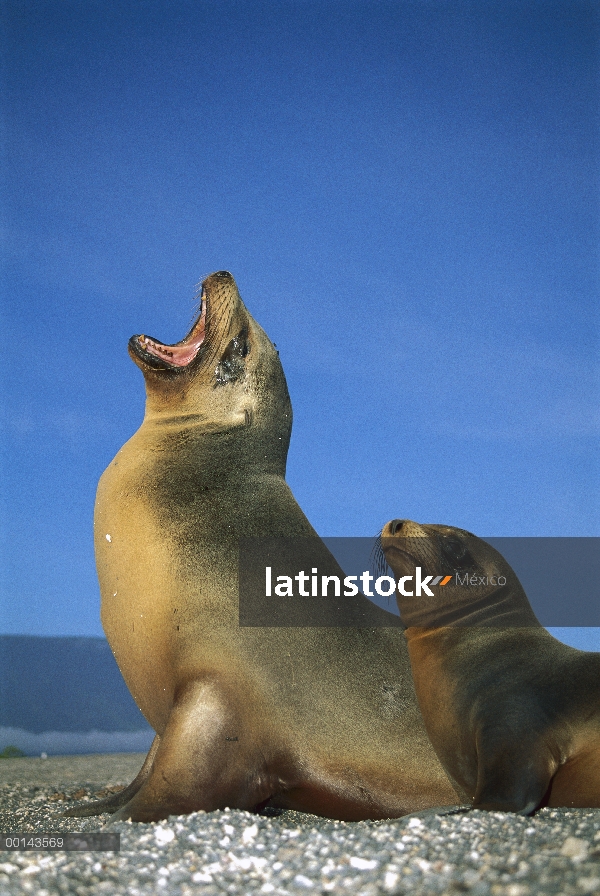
230, 851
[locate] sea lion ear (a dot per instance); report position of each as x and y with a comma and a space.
231, 366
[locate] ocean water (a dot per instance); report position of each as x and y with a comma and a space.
66, 696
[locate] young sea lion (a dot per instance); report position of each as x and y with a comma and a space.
513, 714
323, 720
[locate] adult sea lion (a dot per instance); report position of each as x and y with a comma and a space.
513, 714
323, 720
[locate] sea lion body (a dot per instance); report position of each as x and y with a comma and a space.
513, 714
323, 720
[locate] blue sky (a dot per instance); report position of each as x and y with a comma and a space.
407, 195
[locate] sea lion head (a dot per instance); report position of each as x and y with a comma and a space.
223, 376
470, 582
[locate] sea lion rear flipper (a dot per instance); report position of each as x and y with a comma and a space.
116, 800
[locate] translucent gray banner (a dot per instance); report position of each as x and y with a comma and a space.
347, 582
90, 841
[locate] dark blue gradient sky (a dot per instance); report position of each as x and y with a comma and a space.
407, 195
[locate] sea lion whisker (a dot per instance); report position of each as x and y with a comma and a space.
378, 564
218, 316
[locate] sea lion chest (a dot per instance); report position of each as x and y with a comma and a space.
160, 572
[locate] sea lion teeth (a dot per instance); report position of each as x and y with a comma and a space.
326, 719
182, 354
513, 714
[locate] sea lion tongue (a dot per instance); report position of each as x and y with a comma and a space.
181, 353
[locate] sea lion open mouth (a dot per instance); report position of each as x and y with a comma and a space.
172, 357
222, 319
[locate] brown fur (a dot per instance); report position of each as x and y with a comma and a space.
324, 720
513, 714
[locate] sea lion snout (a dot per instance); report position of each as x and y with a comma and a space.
444, 548
405, 528
406, 544
453, 577
221, 317
219, 278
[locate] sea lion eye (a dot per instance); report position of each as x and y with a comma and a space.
455, 552
231, 366
454, 548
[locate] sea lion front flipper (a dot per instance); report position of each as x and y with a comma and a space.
513, 774
207, 759
116, 800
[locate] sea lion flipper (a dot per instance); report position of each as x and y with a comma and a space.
206, 759
512, 776
116, 800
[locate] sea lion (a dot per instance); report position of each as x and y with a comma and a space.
513, 714
323, 720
